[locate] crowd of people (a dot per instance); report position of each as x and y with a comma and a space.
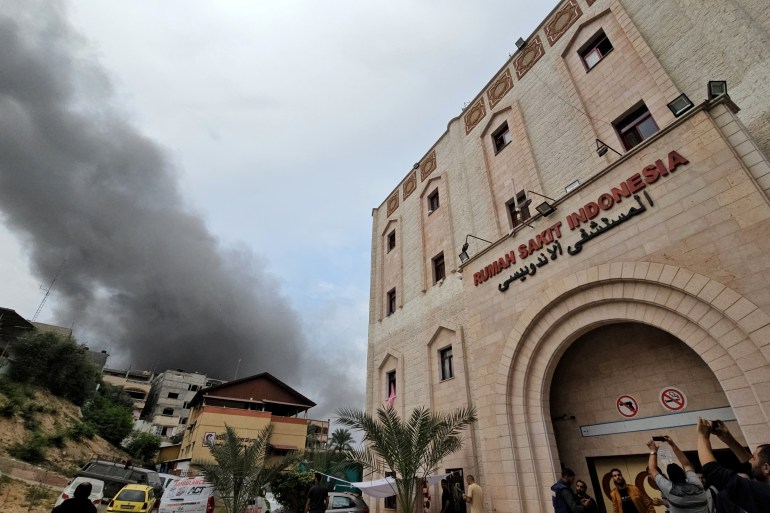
716, 489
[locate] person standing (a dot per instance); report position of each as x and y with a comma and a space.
682, 489
586, 500
628, 498
79, 503
564, 499
446, 498
751, 495
317, 497
474, 495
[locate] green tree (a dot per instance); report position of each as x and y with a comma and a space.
341, 440
143, 446
58, 364
290, 489
112, 420
409, 449
241, 470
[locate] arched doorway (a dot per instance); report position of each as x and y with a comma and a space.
595, 430
728, 332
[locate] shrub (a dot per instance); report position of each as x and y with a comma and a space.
32, 450
113, 421
58, 440
79, 431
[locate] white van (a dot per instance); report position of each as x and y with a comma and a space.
190, 495
195, 495
167, 479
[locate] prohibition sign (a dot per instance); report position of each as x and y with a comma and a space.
627, 406
673, 399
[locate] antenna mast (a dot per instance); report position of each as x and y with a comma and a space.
48, 290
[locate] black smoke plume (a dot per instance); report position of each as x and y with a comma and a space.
143, 275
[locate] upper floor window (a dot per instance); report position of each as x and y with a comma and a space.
391, 301
636, 127
501, 137
595, 50
391, 240
173, 395
433, 202
445, 358
519, 209
438, 268
168, 411
391, 380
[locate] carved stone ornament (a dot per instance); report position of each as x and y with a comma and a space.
428, 166
528, 57
500, 88
474, 114
410, 185
393, 203
561, 21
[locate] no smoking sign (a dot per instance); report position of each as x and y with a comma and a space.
673, 399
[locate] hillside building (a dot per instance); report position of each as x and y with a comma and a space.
166, 410
136, 383
583, 255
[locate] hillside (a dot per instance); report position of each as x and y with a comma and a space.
36, 419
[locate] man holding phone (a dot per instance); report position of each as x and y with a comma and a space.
682, 488
752, 495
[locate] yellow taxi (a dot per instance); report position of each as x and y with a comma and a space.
133, 498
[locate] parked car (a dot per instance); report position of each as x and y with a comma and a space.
346, 502
134, 498
166, 480
97, 490
117, 475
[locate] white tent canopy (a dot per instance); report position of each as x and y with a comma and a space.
386, 487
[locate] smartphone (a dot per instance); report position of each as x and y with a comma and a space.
715, 424
659, 438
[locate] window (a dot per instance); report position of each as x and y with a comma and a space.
185, 405
168, 411
391, 240
445, 356
501, 137
433, 202
595, 50
519, 209
390, 502
173, 395
390, 379
342, 502
392, 301
438, 268
636, 127
194, 388
184, 421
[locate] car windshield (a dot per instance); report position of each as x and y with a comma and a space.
131, 496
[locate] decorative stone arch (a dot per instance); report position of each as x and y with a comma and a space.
729, 332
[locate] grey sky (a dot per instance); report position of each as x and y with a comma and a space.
279, 125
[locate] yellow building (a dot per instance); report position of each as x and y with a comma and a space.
247, 405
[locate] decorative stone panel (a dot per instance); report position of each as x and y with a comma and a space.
500, 88
561, 21
428, 166
590, 2
393, 203
475, 114
528, 57
410, 185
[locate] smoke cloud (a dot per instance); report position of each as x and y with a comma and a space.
143, 274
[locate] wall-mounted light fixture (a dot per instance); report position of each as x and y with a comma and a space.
571, 187
602, 147
680, 105
520, 43
545, 208
717, 88
464, 253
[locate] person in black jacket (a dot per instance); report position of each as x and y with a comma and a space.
564, 498
80, 503
751, 495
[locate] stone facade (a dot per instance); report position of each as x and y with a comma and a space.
672, 280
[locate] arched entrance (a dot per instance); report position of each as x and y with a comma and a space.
619, 384
727, 332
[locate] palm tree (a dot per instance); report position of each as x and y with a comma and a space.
241, 471
409, 450
341, 440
